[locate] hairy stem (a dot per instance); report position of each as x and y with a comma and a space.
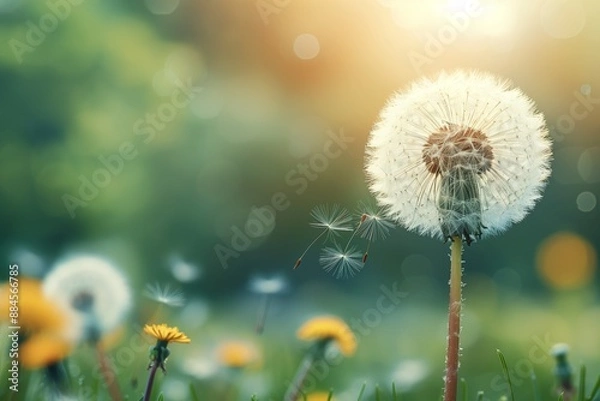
108, 374
453, 349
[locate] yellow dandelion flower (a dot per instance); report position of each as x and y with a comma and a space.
159, 353
45, 327
167, 334
236, 354
319, 396
44, 349
329, 328
36, 312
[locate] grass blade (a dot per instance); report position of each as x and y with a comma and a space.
536, 390
330, 395
581, 390
480, 396
362, 391
506, 373
193, 393
377, 397
463, 388
395, 398
595, 390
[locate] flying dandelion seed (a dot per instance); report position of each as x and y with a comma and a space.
332, 220
463, 155
341, 263
165, 295
373, 225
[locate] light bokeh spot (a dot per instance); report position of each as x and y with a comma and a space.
306, 46
586, 201
588, 165
566, 260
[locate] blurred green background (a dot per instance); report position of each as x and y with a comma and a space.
148, 132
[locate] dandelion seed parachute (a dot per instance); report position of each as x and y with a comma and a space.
465, 154
341, 263
165, 294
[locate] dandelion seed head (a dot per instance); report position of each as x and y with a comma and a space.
463, 154
341, 263
93, 288
165, 295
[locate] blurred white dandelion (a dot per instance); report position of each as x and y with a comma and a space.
341, 263
182, 270
332, 220
409, 373
165, 294
94, 289
200, 367
463, 155
266, 287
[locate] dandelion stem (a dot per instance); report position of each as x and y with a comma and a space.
262, 314
107, 374
454, 308
148, 391
295, 387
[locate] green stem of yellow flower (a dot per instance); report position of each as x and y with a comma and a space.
454, 310
150, 383
295, 387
